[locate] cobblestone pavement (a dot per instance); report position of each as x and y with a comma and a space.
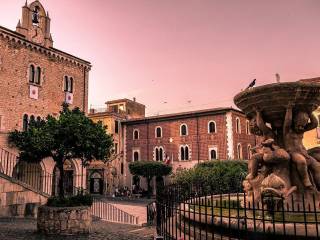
25, 229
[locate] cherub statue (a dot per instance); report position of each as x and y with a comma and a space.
293, 130
268, 152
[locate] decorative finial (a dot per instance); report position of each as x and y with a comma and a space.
277, 77
26, 4
19, 24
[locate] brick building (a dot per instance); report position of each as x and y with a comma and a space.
184, 139
37, 78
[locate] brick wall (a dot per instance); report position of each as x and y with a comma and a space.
198, 138
242, 137
14, 98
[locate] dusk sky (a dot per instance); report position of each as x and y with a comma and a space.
180, 55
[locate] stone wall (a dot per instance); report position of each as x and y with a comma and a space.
17, 199
64, 220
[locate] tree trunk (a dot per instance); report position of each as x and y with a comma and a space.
149, 187
61, 185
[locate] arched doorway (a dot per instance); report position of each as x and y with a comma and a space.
96, 183
68, 183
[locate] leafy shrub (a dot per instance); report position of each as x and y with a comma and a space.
215, 177
73, 201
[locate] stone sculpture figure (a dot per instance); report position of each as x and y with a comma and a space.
268, 152
280, 114
293, 130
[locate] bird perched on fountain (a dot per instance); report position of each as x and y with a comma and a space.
251, 85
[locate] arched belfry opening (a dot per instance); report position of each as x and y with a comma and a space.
35, 24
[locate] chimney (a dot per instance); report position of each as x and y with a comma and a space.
278, 77
134, 99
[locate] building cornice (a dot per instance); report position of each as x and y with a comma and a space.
50, 52
183, 115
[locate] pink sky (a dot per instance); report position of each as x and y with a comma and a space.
176, 51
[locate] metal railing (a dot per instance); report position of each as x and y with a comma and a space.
26, 173
108, 212
190, 212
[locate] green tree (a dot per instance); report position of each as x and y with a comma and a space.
214, 177
70, 136
148, 170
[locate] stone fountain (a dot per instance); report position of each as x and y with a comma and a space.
281, 167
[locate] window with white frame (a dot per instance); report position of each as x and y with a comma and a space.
212, 127
35, 74
158, 154
135, 134
184, 153
239, 151
135, 155
183, 130
238, 125
213, 153
158, 132
247, 127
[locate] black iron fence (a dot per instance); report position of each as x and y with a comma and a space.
192, 212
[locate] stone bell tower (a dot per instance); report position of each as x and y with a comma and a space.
35, 24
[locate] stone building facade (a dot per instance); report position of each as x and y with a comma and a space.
37, 78
111, 174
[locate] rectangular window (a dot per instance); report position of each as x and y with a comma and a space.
116, 148
121, 169
114, 109
116, 126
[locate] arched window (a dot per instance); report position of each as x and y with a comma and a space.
213, 154
211, 127
68, 84
25, 122
183, 130
158, 132
158, 153
31, 74
184, 153
249, 151
239, 151
135, 134
247, 127
238, 126
135, 156
38, 119
71, 85
32, 119
38, 76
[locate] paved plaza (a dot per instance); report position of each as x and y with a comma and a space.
25, 229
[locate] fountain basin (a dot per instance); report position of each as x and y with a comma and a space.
272, 99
